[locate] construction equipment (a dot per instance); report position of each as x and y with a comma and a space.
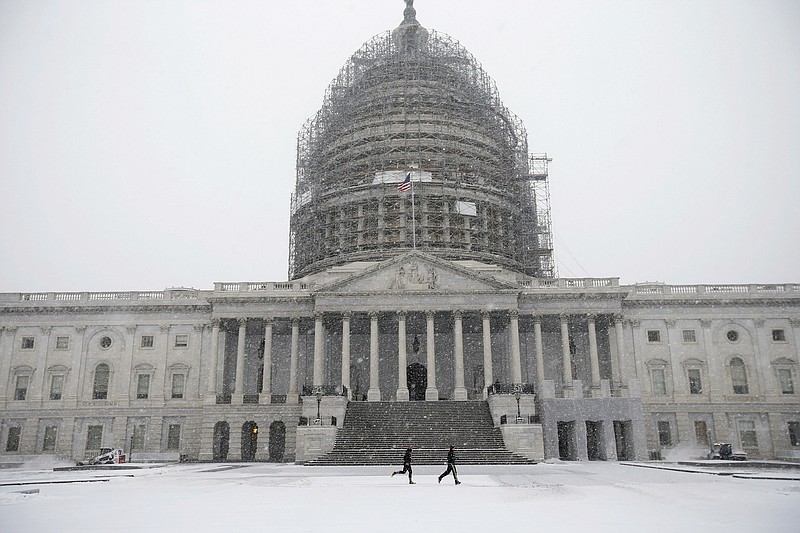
723, 451
107, 456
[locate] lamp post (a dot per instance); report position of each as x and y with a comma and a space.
318, 394
517, 396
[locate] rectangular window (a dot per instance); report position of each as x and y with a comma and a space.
49, 443
94, 437
664, 434
56, 386
137, 439
659, 381
785, 378
747, 432
143, 386
27, 343
689, 336
21, 391
178, 384
794, 433
12, 443
701, 432
147, 341
653, 335
778, 335
174, 437
62, 343
695, 386
182, 340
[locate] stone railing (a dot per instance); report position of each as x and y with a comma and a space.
262, 286
570, 283
96, 297
711, 290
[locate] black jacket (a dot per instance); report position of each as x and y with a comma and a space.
407, 457
451, 457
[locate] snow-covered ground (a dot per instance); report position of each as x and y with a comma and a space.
556, 496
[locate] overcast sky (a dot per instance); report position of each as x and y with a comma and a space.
151, 144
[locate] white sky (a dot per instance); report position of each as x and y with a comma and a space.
149, 144
596, 497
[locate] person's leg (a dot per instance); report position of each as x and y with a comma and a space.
455, 475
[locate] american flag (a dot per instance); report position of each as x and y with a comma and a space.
405, 185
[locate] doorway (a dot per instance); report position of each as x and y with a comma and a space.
222, 435
249, 441
277, 441
594, 433
566, 441
623, 440
417, 379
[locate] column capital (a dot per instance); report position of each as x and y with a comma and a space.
242, 321
671, 323
402, 314
347, 315
794, 322
318, 315
373, 314
78, 329
196, 327
759, 322
592, 317
269, 320
486, 314
132, 329
616, 318
564, 317
46, 329
164, 328
705, 322
430, 314
458, 313
295, 320
513, 313
215, 322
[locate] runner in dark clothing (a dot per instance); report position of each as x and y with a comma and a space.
406, 465
451, 465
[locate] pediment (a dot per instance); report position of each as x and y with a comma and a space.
417, 272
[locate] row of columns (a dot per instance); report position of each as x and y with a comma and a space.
431, 393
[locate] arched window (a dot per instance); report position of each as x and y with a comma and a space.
739, 376
100, 389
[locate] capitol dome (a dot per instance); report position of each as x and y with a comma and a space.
413, 105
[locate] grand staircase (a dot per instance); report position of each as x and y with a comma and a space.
377, 433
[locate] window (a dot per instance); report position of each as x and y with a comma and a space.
106, 342
182, 340
794, 433
101, 375
147, 341
27, 343
747, 432
143, 386
653, 335
178, 385
12, 442
21, 390
137, 438
664, 434
49, 443
732, 335
62, 343
695, 385
659, 381
785, 379
174, 437
56, 386
739, 377
778, 335
94, 437
689, 336
701, 432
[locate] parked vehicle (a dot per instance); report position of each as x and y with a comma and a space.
107, 456
724, 452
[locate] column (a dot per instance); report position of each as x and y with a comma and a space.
516, 364
593, 356
318, 348
211, 391
6, 349
266, 381
238, 386
431, 392
566, 357
37, 384
537, 339
346, 351
374, 391
459, 391
487, 352
291, 395
616, 362
402, 384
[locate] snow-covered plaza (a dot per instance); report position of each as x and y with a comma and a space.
553, 496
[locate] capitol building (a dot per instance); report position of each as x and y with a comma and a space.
421, 281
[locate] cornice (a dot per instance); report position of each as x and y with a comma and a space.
696, 302
74, 309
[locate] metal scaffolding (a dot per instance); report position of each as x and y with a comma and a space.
414, 100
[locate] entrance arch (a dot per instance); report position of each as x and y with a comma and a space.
417, 379
222, 435
277, 441
249, 441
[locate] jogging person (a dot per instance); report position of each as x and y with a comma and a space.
451, 465
406, 465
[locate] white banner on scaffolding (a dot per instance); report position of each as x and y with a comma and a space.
466, 208
396, 176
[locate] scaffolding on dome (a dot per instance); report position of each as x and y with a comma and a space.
422, 105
